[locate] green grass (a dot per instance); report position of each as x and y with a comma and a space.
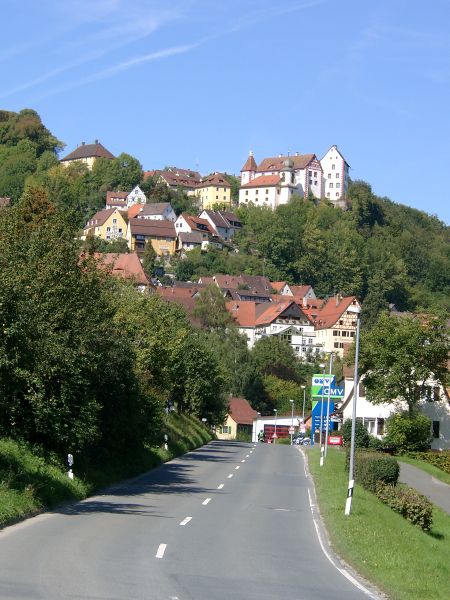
402, 560
29, 483
427, 467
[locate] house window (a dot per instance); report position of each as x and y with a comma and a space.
336, 332
338, 185
315, 183
217, 197
328, 194
338, 344
114, 221
436, 429
256, 192
337, 194
287, 337
120, 230
217, 189
315, 173
310, 182
333, 167
310, 173
331, 185
337, 175
436, 393
329, 175
246, 192
108, 229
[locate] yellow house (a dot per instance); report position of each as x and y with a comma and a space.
87, 154
239, 420
108, 224
212, 190
161, 234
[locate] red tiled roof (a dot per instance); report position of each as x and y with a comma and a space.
263, 181
250, 164
114, 196
331, 311
124, 265
214, 179
134, 210
194, 223
276, 163
278, 285
96, 150
272, 311
154, 208
151, 228
241, 412
176, 177
300, 290
244, 313
181, 295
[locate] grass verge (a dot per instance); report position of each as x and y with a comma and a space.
430, 469
30, 483
402, 560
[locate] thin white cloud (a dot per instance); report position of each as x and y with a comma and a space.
123, 66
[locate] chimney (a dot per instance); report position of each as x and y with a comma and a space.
304, 301
338, 298
96, 141
297, 154
83, 143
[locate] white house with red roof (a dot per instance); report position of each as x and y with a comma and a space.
334, 324
285, 319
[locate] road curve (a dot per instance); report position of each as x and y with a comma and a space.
229, 521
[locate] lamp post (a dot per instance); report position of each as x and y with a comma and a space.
275, 434
292, 417
328, 406
351, 482
304, 400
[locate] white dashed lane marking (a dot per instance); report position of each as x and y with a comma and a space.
230, 475
219, 487
186, 521
237, 467
206, 501
161, 550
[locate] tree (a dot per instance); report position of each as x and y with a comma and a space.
408, 433
362, 436
211, 310
274, 356
148, 259
399, 354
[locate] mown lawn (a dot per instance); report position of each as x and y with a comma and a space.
402, 560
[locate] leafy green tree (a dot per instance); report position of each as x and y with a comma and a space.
362, 436
281, 392
399, 354
210, 309
149, 259
408, 432
274, 356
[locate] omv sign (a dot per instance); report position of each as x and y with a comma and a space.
324, 386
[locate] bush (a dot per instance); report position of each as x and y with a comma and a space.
371, 468
441, 460
362, 436
376, 444
408, 432
408, 502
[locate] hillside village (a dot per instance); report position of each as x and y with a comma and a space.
313, 327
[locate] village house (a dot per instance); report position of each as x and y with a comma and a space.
241, 287
176, 179
126, 266
116, 200
187, 224
87, 154
214, 189
225, 224
239, 420
296, 291
107, 224
161, 234
284, 319
156, 211
334, 323
185, 296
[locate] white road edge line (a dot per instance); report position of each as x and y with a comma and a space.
230, 475
161, 550
220, 486
206, 501
343, 572
186, 521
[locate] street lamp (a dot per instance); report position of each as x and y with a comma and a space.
351, 482
328, 406
304, 399
275, 434
292, 418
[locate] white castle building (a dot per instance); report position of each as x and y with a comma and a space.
276, 179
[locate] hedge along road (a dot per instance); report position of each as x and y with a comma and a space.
229, 520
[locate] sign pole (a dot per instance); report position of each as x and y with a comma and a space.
328, 408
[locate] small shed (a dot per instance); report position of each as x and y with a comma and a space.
239, 420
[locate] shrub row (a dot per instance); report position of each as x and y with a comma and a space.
408, 502
441, 460
372, 467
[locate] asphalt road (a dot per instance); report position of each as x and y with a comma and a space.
229, 521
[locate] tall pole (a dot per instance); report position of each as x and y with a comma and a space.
304, 400
351, 481
328, 406
321, 407
292, 417
275, 434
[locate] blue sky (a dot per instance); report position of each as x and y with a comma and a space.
197, 83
